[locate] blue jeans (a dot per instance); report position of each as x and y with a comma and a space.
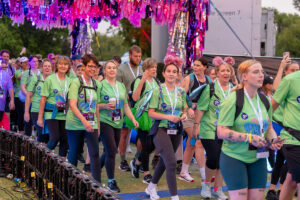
76, 141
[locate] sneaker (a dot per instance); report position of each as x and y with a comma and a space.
152, 192
112, 186
219, 194
271, 195
185, 177
81, 158
87, 168
155, 161
141, 170
124, 166
147, 179
134, 169
206, 190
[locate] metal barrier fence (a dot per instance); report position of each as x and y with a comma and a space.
47, 174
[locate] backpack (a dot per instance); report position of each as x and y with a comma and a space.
192, 80
240, 102
84, 87
38, 81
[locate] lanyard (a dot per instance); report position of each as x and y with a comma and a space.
153, 85
115, 91
89, 91
65, 89
259, 114
223, 90
138, 71
173, 106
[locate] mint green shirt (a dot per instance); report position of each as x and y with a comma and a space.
36, 92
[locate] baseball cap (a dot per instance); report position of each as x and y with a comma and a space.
268, 80
23, 59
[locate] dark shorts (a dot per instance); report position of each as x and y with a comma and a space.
239, 175
7, 104
292, 156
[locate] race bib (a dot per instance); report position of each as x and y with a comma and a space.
262, 153
172, 128
90, 117
61, 106
116, 115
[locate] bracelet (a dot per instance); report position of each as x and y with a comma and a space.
250, 139
247, 138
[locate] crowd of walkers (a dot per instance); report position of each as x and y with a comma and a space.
232, 125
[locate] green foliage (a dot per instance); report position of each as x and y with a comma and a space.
36, 41
109, 46
297, 4
288, 33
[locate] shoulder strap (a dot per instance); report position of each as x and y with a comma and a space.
132, 84
239, 102
38, 81
208, 79
211, 89
265, 101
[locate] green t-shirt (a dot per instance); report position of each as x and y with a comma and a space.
36, 97
246, 122
165, 107
106, 91
211, 107
18, 81
72, 122
26, 78
278, 114
54, 92
72, 74
148, 87
288, 93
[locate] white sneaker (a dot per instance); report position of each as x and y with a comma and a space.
185, 176
206, 190
152, 192
219, 194
175, 197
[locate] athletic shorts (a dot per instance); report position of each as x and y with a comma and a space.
189, 123
292, 156
239, 175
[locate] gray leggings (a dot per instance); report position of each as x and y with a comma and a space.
166, 145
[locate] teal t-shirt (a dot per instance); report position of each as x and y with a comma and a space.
54, 92
165, 105
288, 93
211, 107
26, 78
246, 122
36, 97
72, 122
18, 81
106, 91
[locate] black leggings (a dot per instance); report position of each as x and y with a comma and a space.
166, 145
57, 133
40, 136
20, 107
280, 169
213, 152
147, 148
110, 138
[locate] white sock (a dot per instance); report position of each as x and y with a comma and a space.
202, 172
152, 185
184, 168
175, 197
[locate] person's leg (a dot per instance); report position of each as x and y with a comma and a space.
5, 122
288, 189
93, 147
200, 158
188, 152
63, 140
122, 149
271, 158
53, 127
75, 139
39, 130
147, 149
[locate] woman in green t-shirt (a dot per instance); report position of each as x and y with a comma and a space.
81, 120
112, 99
168, 107
53, 103
247, 134
206, 119
33, 97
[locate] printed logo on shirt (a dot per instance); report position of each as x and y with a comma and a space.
81, 95
38, 88
163, 105
244, 116
298, 99
106, 97
55, 91
216, 102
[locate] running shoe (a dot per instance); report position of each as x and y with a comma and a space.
112, 186
87, 168
271, 195
206, 190
134, 169
141, 170
152, 192
80, 158
147, 179
219, 194
185, 176
124, 166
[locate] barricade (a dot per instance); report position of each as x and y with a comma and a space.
47, 174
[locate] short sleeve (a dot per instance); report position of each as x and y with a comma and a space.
99, 88
282, 91
136, 83
124, 88
32, 84
270, 111
227, 111
204, 100
154, 99
46, 88
73, 91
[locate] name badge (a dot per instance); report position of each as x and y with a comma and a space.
116, 115
61, 106
262, 153
171, 132
172, 128
90, 117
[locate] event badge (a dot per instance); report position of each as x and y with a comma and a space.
116, 115
90, 117
1, 93
262, 153
172, 128
61, 106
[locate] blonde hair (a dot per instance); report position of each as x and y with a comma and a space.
64, 59
242, 69
148, 63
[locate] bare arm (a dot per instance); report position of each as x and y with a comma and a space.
129, 114
198, 116
75, 110
27, 106
41, 110
185, 83
23, 88
137, 93
274, 105
12, 99
279, 74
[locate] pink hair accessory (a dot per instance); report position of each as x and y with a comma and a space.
217, 61
229, 60
169, 59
